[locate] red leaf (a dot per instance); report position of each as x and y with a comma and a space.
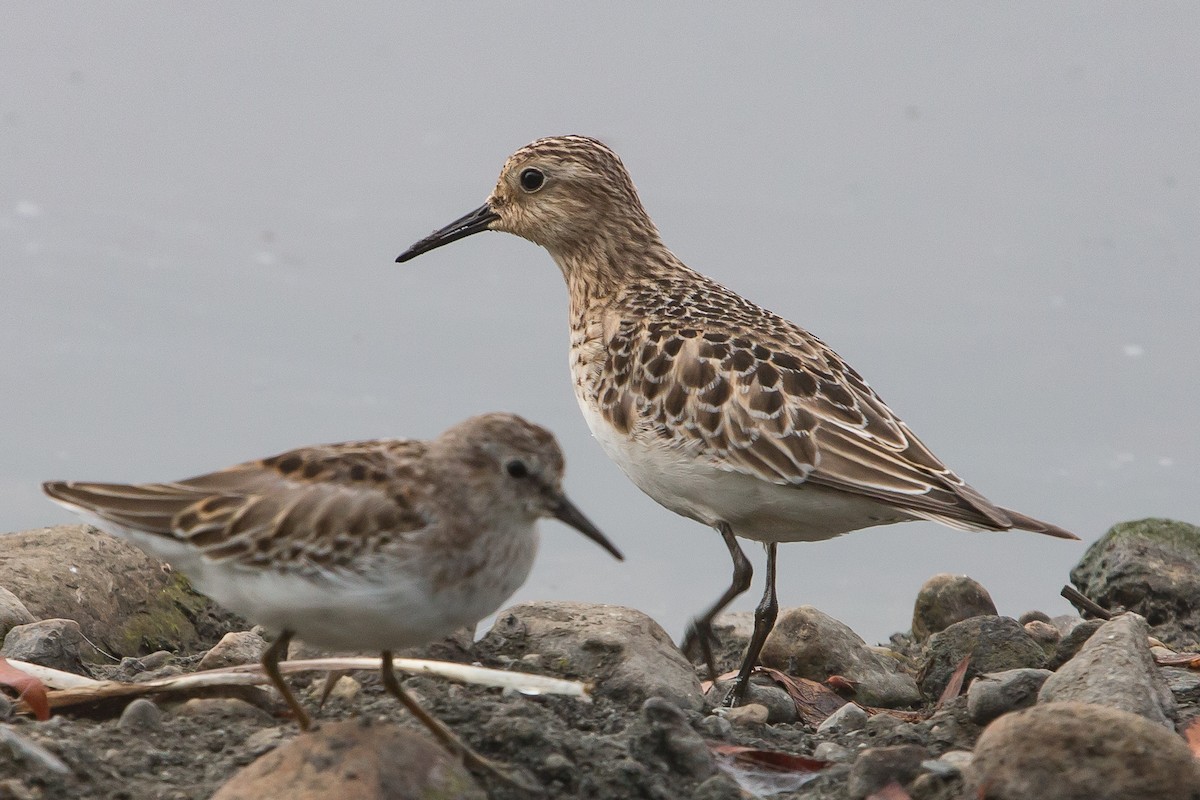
1189, 660
893, 791
771, 759
842, 685
28, 688
814, 701
954, 687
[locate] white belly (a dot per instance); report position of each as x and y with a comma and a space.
754, 508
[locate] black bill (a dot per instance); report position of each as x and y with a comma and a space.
478, 220
568, 513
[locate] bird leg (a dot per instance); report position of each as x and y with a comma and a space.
456, 746
764, 620
700, 631
270, 665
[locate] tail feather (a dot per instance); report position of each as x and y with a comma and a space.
1028, 523
147, 507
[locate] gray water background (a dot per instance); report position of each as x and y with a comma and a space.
991, 210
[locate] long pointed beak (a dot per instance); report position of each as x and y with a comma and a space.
478, 220
564, 510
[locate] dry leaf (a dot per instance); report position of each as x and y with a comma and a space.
771, 759
954, 686
1189, 660
29, 690
1192, 734
814, 701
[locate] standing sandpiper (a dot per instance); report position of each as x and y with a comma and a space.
376, 545
718, 409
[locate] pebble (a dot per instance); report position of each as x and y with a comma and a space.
354, 760
715, 726
235, 648
763, 691
263, 741
808, 643
12, 612
1044, 634
1033, 616
1073, 751
832, 751
1149, 566
54, 643
946, 599
997, 693
625, 653
849, 717
1115, 669
140, 716
876, 767
1072, 641
994, 644
748, 714
223, 708
663, 733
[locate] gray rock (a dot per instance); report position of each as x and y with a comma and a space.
626, 654
849, 717
995, 644
1073, 641
663, 734
1115, 669
748, 714
1078, 751
236, 647
12, 612
1182, 682
998, 693
1044, 634
876, 767
718, 787
832, 751
779, 704
1033, 616
55, 643
354, 760
140, 716
1065, 623
1151, 566
811, 644
946, 599
126, 602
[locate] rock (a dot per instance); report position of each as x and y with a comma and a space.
12, 612
876, 767
810, 644
832, 751
998, 693
345, 689
958, 759
763, 691
1065, 623
748, 714
718, 787
1115, 669
664, 735
849, 717
1033, 616
123, 600
235, 647
140, 716
946, 599
1152, 567
354, 760
626, 654
1078, 751
995, 644
1072, 641
228, 708
55, 643
1044, 634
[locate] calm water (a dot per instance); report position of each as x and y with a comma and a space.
992, 211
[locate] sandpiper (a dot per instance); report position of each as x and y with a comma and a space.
718, 409
378, 545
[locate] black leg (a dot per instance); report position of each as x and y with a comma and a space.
270, 665
700, 632
764, 621
456, 746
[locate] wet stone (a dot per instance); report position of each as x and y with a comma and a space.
54, 643
1073, 751
1115, 668
994, 644
808, 643
946, 599
998, 693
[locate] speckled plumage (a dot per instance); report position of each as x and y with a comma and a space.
717, 408
375, 545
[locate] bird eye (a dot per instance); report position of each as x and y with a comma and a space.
532, 179
517, 469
